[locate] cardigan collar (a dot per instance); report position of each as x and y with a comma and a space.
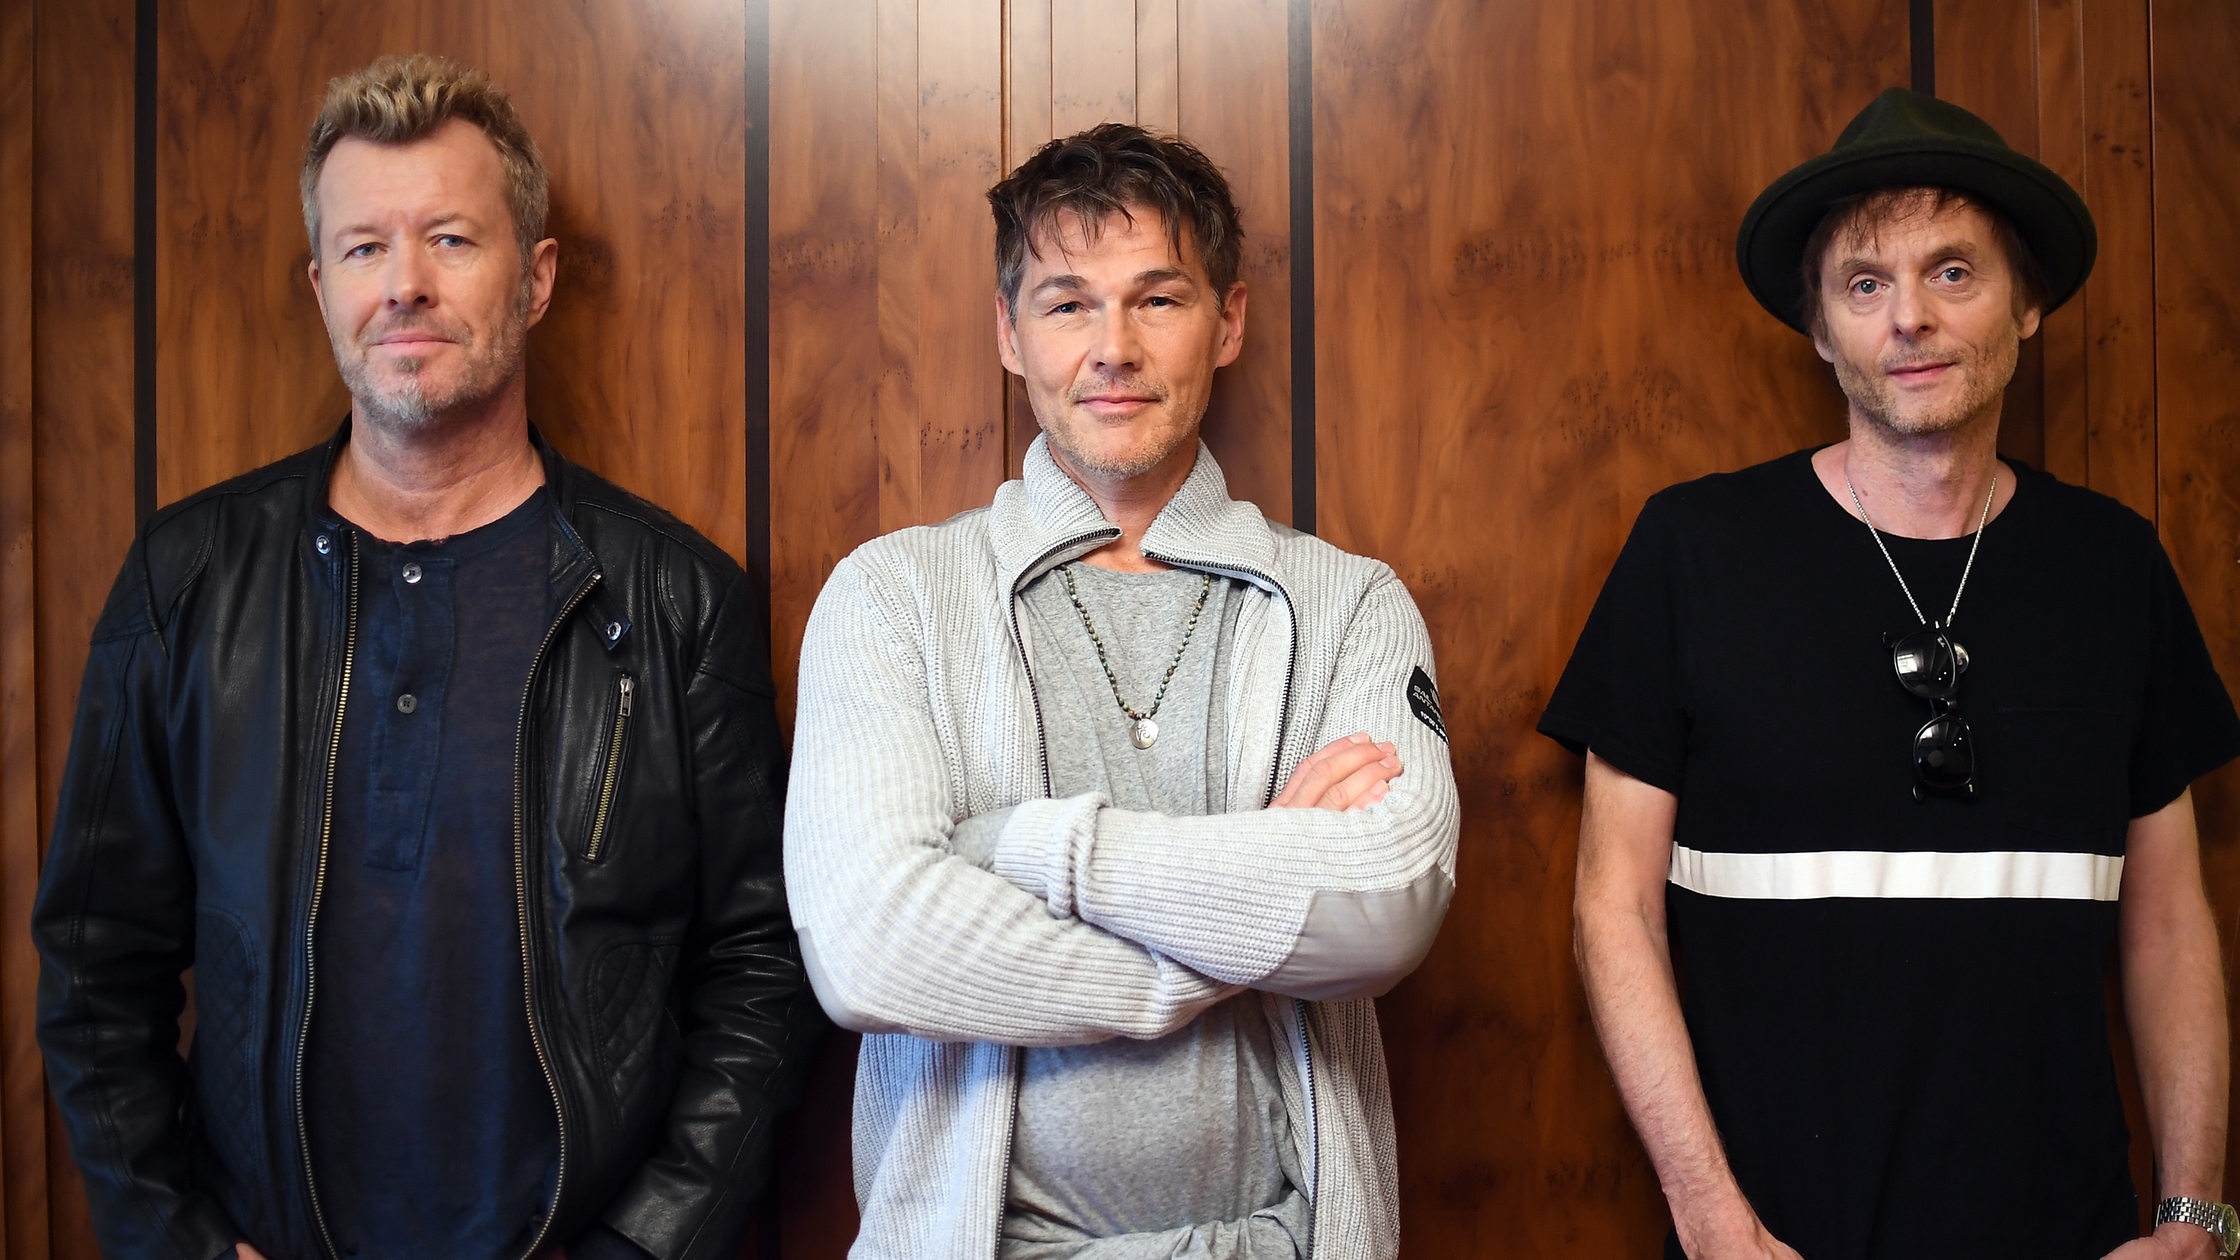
1046, 518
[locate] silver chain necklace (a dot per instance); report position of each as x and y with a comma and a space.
1144, 732
1964, 570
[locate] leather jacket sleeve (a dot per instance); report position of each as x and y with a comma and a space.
114, 926
747, 1021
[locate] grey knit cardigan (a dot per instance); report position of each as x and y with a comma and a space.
917, 715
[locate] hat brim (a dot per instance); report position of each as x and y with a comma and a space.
2047, 213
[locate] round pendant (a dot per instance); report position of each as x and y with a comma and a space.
1145, 733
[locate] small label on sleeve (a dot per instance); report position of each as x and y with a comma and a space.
1423, 697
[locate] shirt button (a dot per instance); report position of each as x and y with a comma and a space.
323, 543
411, 571
407, 702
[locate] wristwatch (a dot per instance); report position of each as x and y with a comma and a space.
2219, 1219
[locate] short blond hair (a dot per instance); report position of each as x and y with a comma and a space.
405, 97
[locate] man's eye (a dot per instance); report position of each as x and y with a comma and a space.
360, 251
1066, 308
449, 241
1160, 299
1954, 275
1866, 286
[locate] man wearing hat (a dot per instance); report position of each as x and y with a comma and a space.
1888, 752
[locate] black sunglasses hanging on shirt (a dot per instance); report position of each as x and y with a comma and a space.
1929, 664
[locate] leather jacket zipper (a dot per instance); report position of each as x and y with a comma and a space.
318, 893
521, 912
623, 688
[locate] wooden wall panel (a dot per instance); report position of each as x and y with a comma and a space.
1159, 65
1528, 318
2066, 420
888, 124
2196, 110
1235, 105
1092, 63
2119, 299
23, 1153
81, 380
639, 111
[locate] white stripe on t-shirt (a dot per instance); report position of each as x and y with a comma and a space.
1860, 873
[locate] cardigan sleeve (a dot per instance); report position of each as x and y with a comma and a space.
900, 932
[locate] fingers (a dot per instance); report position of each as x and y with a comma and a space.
243, 1251
1365, 786
1343, 774
1323, 767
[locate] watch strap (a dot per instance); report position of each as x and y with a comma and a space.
2217, 1218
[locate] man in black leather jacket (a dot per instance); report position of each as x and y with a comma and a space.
453, 772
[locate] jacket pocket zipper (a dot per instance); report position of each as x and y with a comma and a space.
608, 779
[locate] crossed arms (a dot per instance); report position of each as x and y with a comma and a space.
1074, 922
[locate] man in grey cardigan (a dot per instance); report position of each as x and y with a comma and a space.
1114, 804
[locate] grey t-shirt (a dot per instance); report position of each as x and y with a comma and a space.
1179, 1147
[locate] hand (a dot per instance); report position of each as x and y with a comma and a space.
1348, 773
243, 1251
2175, 1241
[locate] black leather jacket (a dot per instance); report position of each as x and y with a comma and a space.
664, 984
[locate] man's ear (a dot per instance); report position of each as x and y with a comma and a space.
1007, 337
1232, 325
544, 265
2027, 325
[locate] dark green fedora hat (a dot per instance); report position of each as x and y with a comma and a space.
1904, 139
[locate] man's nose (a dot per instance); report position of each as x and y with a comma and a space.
1121, 346
408, 279
1910, 310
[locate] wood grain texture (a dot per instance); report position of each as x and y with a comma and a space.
1027, 117
1529, 318
940, 389
2065, 416
2119, 299
1235, 105
824, 302
1158, 65
2196, 103
23, 1147
826, 356
639, 112
81, 383
888, 125
1092, 64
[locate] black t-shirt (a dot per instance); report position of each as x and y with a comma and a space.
1898, 1006
432, 1132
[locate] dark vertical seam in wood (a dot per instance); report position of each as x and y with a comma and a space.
757, 324
1302, 265
144, 260
1923, 30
